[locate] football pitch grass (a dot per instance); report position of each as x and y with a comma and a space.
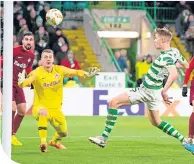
133, 141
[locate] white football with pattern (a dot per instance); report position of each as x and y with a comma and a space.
54, 17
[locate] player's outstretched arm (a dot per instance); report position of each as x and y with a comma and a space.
72, 72
173, 74
22, 82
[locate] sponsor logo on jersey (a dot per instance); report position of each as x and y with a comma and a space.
21, 65
52, 83
57, 75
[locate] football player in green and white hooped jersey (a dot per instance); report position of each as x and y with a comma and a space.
151, 90
158, 70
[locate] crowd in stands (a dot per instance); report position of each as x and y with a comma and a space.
30, 16
185, 26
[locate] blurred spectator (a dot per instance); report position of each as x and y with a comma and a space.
17, 19
189, 37
121, 61
62, 54
70, 62
124, 54
71, 84
189, 20
149, 60
181, 23
39, 7
57, 45
18, 7
41, 39
57, 35
182, 6
44, 11
21, 32
31, 21
142, 67
139, 60
39, 21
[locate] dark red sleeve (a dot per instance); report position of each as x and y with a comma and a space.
188, 71
77, 66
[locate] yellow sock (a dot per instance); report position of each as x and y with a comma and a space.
42, 128
56, 137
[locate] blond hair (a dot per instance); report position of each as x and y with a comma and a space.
47, 51
163, 32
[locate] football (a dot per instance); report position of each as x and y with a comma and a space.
54, 17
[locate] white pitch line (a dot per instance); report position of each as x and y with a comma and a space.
110, 137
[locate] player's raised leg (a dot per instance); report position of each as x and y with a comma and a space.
60, 125
42, 128
122, 99
168, 128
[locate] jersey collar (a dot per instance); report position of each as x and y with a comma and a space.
164, 52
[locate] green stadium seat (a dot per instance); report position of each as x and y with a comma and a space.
69, 5
82, 5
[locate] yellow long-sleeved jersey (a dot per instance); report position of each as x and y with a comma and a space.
48, 86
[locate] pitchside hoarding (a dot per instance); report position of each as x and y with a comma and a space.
91, 101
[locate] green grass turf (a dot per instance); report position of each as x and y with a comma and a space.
133, 141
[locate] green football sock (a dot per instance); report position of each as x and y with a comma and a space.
170, 130
110, 122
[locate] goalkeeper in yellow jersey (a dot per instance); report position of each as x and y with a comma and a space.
48, 97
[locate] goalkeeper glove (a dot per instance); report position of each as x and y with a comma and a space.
184, 92
21, 77
92, 72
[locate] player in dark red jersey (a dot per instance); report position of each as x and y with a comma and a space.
184, 93
23, 58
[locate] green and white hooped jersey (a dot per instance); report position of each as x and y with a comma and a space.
158, 70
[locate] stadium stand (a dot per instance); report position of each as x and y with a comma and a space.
29, 15
81, 48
